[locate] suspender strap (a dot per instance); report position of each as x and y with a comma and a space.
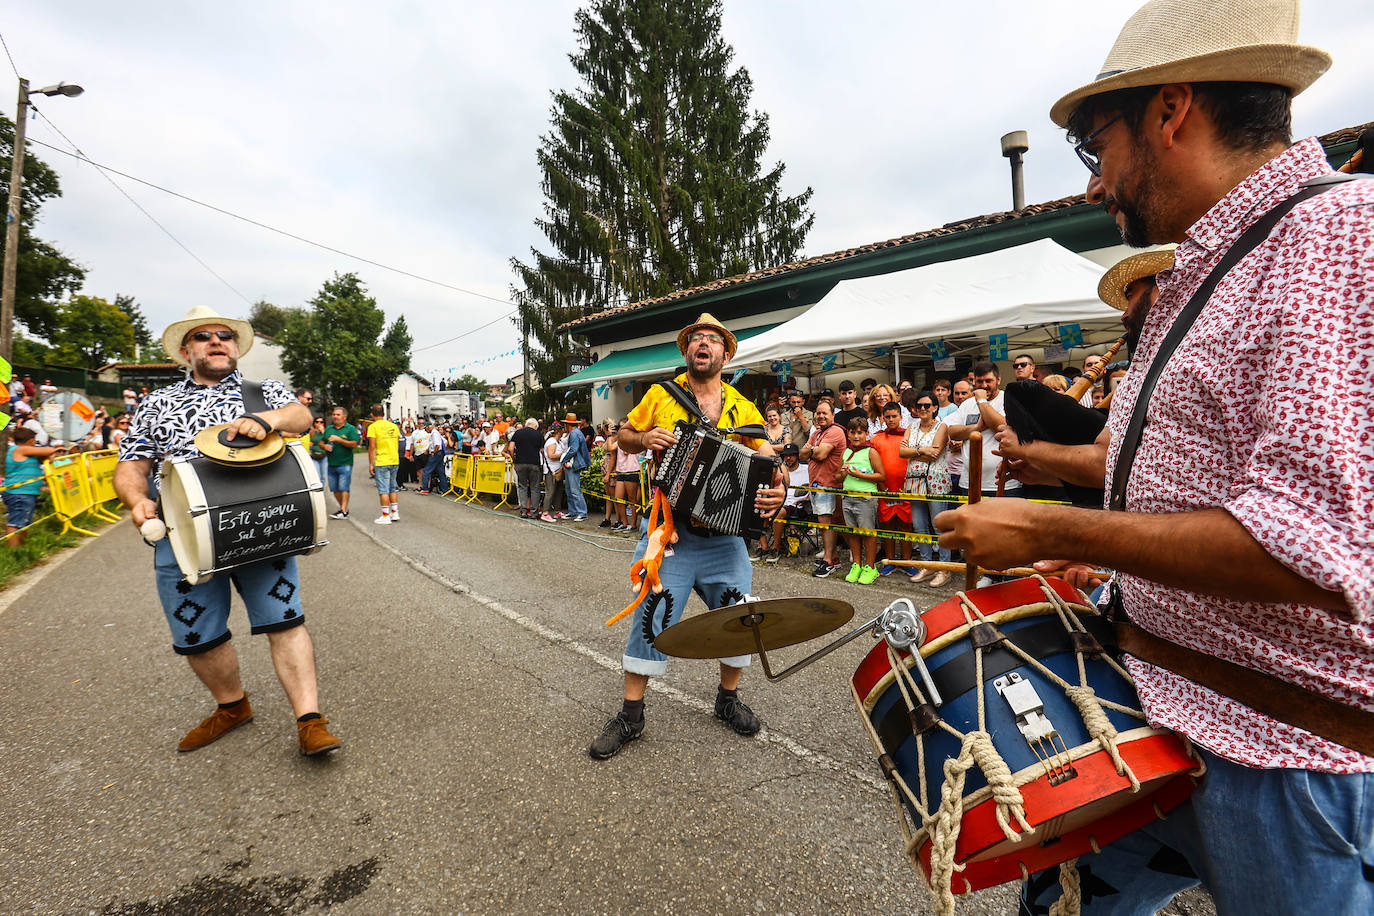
253, 399
1252, 237
689, 404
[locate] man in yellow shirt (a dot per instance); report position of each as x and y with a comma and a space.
701, 560
383, 460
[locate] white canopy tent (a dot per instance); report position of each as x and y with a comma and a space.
1025, 292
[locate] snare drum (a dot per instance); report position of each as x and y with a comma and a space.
220, 517
1074, 793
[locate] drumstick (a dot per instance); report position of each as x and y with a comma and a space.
153, 530
940, 566
1084, 382
975, 493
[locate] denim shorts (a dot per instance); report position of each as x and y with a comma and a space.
386, 478
198, 615
20, 507
1261, 841
341, 478
823, 503
704, 565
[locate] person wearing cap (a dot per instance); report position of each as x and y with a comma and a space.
209, 345
434, 468
577, 457
1243, 534
703, 561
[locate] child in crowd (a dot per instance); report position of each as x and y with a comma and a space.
860, 472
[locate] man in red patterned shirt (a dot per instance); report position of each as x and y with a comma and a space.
1246, 534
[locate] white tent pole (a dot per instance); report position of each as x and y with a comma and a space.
897, 364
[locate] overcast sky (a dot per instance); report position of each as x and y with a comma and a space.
406, 132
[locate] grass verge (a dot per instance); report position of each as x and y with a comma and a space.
42, 541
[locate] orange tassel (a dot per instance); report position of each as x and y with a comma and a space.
644, 572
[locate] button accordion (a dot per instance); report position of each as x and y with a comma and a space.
713, 480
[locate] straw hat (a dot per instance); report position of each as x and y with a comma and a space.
707, 320
1196, 41
1111, 289
199, 317
571, 420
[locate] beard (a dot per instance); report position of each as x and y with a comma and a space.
711, 371
1141, 203
206, 369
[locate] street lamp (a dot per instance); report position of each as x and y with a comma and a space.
12, 215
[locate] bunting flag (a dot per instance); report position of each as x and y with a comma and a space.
604, 392
828, 362
629, 389
783, 368
938, 349
739, 374
882, 351
1070, 335
997, 346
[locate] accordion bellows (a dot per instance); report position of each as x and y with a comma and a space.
713, 481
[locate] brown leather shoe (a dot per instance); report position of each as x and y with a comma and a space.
213, 728
315, 738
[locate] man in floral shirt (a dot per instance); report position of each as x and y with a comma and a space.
1247, 530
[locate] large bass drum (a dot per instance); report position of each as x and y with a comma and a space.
220, 517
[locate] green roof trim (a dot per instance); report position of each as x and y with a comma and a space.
640, 361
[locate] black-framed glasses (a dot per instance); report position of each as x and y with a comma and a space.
1023, 365
203, 336
1088, 156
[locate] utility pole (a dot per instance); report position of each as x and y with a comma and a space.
12, 225
11, 269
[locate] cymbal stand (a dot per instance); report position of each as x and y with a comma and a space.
899, 624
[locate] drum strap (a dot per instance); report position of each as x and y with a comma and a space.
253, 399
1279, 699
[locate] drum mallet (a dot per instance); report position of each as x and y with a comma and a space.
153, 530
975, 493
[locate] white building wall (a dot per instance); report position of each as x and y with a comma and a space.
404, 399
263, 361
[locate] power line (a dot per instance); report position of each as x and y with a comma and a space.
13, 66
261, 225
462, 335
114, 184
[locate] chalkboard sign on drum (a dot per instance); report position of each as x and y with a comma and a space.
220, 517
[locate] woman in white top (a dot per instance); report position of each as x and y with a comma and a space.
927, 475
555, 445
879, 398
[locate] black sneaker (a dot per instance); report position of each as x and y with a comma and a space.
339, 514
606, 524
823, 569
618, 732
733, 712
771, 556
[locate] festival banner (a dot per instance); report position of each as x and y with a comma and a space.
938, 349
1070, 335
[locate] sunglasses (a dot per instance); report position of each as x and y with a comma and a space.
1022, 365
203, 336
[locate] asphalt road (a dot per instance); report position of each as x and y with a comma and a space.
465, 665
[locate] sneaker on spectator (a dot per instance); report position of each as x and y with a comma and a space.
339, 514
577, 518
546, 517
868, 575
820, 555
382, 520
758, 554
984, 582
887, 569
853, 575
940, 580
823, 569
607, 523
772, 556
920, 575
560, 515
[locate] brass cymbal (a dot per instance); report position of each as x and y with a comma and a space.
728, 631
259, 453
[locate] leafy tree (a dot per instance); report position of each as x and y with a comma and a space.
466, 382
270, 319
44, 275
143, 335
332, 346
652, 175
91, 333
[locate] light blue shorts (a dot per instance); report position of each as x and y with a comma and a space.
823, 503
704, 565
386, 478
341, 478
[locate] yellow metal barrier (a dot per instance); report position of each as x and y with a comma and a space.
460, 478
70, 487
100, 468
490, 476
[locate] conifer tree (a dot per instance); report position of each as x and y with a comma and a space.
652, 175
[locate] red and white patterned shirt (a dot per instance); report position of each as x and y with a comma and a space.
1265, 410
